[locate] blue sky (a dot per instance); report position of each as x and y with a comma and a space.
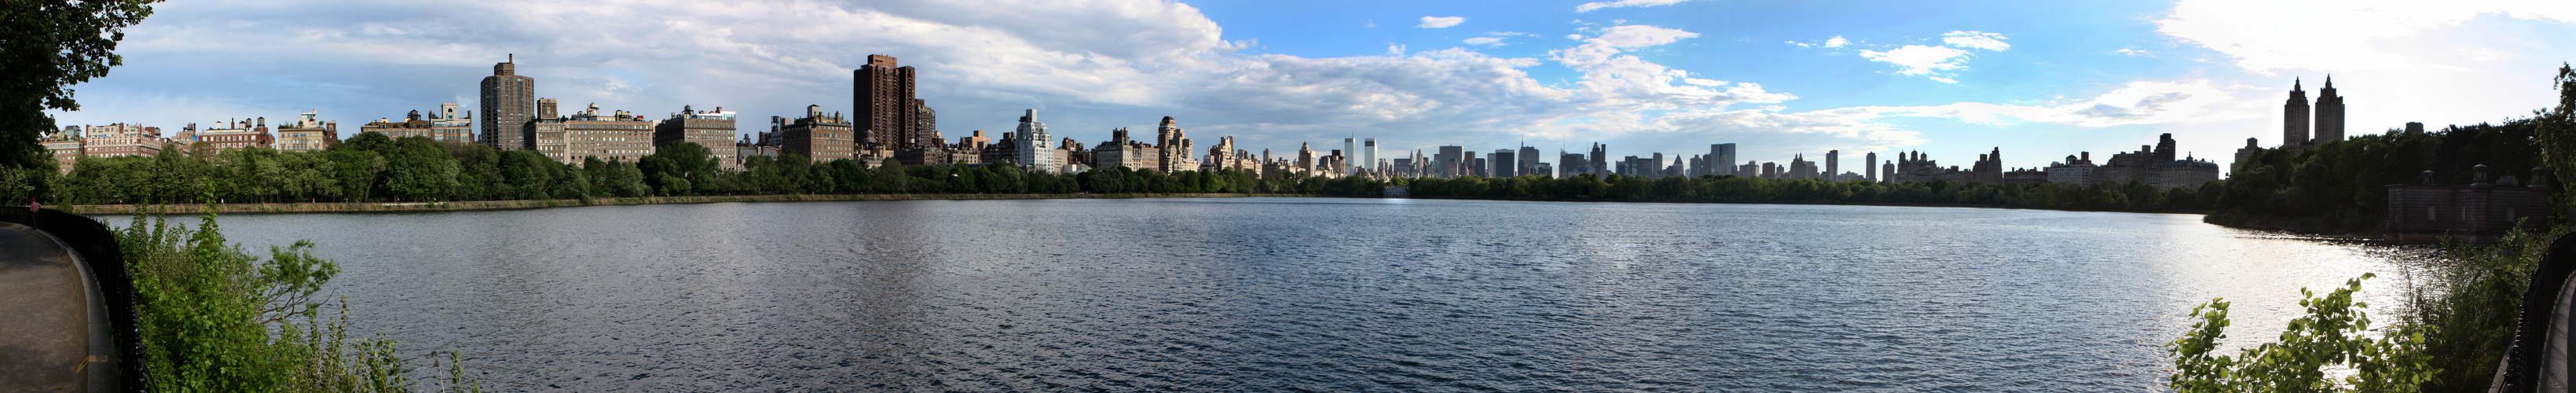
2038, 79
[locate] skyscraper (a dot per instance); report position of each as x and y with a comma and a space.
1505, 165
1350, 145
1570, 164
2294, 118
1600, 159
1448, 160
1833, 165
2329, 113
509, 101
1368, 154
1529, 162
1723, 156
887, 116
1870, 164
1033, 150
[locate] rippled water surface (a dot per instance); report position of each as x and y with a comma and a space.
1269, 294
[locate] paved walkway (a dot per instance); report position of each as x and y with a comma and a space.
53, 333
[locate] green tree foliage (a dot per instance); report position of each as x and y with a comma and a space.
2342, 186
2472, 299
2557, 126
2333, 334
45, 47
216, 318
420, 169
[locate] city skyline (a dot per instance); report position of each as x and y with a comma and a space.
1952, 86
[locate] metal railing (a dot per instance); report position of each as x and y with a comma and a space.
98, 248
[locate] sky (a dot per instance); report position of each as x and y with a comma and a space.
2039, 80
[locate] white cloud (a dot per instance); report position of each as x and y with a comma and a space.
1487, 41
1588, 7
1086, 67
2342, 35
1930, 61
1919, 59
1439, 22
2133, 52
1836, 42
1976, 39
2134, 103
2438, 62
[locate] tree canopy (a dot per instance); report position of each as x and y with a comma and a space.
45, 47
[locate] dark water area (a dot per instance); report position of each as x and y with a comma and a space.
1306, 294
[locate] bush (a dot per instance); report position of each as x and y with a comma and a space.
2333, 336
2472, 299
215, 318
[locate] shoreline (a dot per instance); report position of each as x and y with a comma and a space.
1826, 203
369, 207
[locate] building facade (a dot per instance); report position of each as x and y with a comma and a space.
1032, 148
2329, 109
1120, 151
820, 137
508, 105
615, 136
888, 116
712, 129
2478, 211
448, 125
1173, 151
309, 133
65, 147
121, 140
413, 126
233, 135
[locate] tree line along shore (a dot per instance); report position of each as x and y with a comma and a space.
2333, 188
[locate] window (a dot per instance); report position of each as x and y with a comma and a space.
2428, 213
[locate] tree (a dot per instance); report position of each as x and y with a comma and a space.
45, 47
2557, 128
420, 169
890, 177
367, 141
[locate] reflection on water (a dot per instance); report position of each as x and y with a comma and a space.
1311, 294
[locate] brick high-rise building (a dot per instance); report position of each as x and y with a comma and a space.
545, 134
509, 101
819, 137
713, 130
617, 136
886, 114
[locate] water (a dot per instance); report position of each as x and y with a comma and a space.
1306, 294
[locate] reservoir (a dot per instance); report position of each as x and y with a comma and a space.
1312, 294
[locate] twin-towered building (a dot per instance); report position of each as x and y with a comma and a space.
2295, 123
